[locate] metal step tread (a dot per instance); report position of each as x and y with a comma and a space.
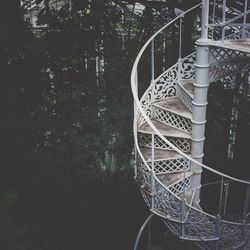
174, 105
240, 44
159, 154
171, 178
188, 86
164, 129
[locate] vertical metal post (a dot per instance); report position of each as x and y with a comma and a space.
246, 203
218, 220
199, 106
180, 38
224, 19
152, 60
136, 88
245, 9
152, 172
204, 21
136, 162
226, 196
200, 101
183, 203
214, 7
183, 217
221, 195
135, 119
152, 74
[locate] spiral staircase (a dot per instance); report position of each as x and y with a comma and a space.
169, 126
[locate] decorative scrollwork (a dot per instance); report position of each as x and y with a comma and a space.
166, 203
187, 67
165, 85
146, 103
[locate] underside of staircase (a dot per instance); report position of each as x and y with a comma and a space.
166, 169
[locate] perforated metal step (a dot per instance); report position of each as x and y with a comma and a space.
164, 129
174, 105
240, 44
171, 178
159, 154
188, 86
174, 113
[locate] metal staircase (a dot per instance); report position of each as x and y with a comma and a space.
169, 128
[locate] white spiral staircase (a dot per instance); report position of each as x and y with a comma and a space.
167, 172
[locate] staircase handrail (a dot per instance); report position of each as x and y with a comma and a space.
138, 107
222, 24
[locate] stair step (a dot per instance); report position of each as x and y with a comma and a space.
171, 178
159, 154
188, 86
164, 129
174, 105
240, 44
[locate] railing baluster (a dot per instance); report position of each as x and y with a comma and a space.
136, 120
246, 203
214, 6
224, 19
136, 90
152, 60
245, 9
152, 171
221, 195
180, 38
205, 17
183, 203
136, 162
218, 221
226, 196
152, 70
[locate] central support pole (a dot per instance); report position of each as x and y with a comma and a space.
200, 101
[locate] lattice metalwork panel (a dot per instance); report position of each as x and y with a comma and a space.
165, 85
225, 62
181, 143
173, 226
169, 166
232, 235
184, 96
143, 175
146, 197
173, 119
180, 186
166, 203
199, 225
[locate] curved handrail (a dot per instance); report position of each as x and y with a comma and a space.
147, 119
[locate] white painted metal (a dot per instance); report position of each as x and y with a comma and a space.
175, 189
201, 85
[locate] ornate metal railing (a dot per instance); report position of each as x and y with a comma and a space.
183, 219
229, 27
